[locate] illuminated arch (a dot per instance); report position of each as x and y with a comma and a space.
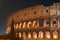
29, 35
47, 35
34, 23
20, 25
20, 34
14, 26
24, 25
29, 24
40, 34
35, 35
55, 35
24, 35
17, 26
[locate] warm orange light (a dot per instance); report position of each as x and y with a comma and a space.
48, 35
29, 35
24, 24
47, 25
16, 26
35, 35
24, 35
29, 24
19, 34
8, 29
37, 23
40, 35
34, 23
55, 35
20, 25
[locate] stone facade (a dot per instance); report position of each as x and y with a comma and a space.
37, 22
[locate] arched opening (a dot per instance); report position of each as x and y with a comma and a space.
29, 24
17, 26
24, 24
20, 25
29, 35
34, 35
54, 22
34, 23
24, 35
40, 35
55, 35
48, 22
47, 35
41, 22
20, 34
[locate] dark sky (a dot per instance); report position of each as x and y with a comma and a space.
7, 7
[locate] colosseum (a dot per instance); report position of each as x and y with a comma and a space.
36, 23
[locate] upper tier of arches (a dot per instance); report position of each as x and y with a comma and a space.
34, 12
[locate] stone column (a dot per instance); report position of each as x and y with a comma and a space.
22, 35
43, 35
51, 34
59, 33
38, 22
32, 35
37, 35
44, 22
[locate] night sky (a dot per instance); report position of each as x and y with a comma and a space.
7, 7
